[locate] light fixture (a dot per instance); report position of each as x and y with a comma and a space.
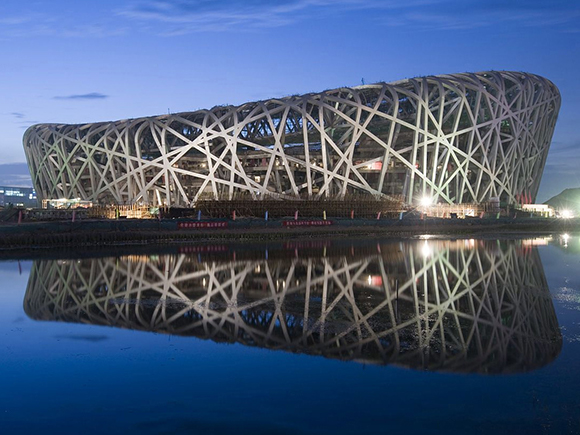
426, 250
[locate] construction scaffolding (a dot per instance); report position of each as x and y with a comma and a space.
122, 212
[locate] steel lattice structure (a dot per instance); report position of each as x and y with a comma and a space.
461, 138
456, 306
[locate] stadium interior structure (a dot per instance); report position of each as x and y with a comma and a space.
460, 138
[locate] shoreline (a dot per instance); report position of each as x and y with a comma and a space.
38, 239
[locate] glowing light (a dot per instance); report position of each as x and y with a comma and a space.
567, 214
426, 250
426, 201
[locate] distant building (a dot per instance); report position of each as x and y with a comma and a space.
18, 196
539, 209
449, 139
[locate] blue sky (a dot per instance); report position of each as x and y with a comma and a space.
71, 62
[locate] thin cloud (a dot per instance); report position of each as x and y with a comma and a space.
15, 174
16, 20
18, 115
178, 17
558, 148
174, 17
48, 24
563, 166
189, 16
457, 16
89, 96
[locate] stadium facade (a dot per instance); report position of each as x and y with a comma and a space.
461, 138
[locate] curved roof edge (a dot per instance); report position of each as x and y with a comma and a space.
466, 77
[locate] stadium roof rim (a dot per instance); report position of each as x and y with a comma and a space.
455, 76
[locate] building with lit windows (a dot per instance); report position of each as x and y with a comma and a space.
17, 196
459, 138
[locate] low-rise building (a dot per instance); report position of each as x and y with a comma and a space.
18, 196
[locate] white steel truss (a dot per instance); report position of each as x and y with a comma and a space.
462, 138
458, 306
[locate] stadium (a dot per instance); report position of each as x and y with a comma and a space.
454, 139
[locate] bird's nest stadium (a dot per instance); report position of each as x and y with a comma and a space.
459, 138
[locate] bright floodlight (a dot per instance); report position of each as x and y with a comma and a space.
567, 214
426, 250
426, 201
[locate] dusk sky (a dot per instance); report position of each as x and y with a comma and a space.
84, 61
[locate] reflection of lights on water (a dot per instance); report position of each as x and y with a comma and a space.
538, 241
426, 250
565, 238
375, 280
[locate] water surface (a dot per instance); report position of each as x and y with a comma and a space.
448, 336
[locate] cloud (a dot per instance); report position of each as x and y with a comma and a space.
20, 119
178, 17
558, 148
452, 15
89, 96
175, 17
16, 20
46, 23
15, 174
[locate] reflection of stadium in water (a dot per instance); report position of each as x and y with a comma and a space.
465, 306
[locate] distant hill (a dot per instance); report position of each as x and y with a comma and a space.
568, 199
15, 175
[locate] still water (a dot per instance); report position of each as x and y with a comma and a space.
342, 337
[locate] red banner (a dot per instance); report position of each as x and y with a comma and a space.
308, 245
193, 225
317, 223
202, 249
